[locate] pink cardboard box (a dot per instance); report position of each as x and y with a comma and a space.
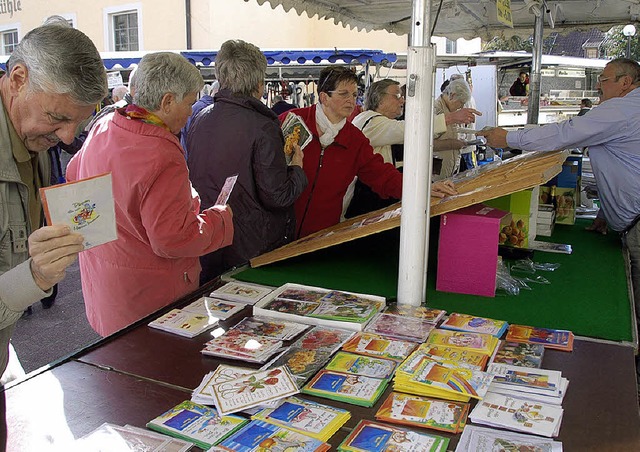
468, 250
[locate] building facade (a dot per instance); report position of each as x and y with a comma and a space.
152, 25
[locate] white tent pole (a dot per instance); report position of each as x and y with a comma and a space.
418, 150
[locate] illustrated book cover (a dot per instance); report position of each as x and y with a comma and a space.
422, 312
521, 354
260, 436
314, 419
400, 327
254, 389
483, 439
86, 206
362, 365
348, 388
480, 342
550, 338
196, 423
375, 345
369, 436
215, 307
295, 131
241, 292
184, 323
464, 322
417, 411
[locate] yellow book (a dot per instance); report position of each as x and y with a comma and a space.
478, 342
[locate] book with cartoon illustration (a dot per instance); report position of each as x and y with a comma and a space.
362, 365
86, 206
260, 436
537, 418
465, 322
480, 342
196, 423
483, 439
550, 338
214, 307
314, 419
348, 388
417, 411
295, 131
242, 292
184, 323
369, 436
375, 345
519, 354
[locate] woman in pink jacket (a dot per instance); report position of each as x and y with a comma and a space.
160, 230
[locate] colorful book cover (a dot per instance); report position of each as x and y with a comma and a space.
86, 206
550, 338
484, 343
349, 388
204, 392
378, 346
295, 132
400, 327
259, 436
461, 357
252, 390
246, 344
497, 410
417, 411
269, 327
348, 307
519, 354
196, 423
369, 436
242, 292
293, 307
314, 419
465, 322
362, 365
482, 439
183, 323
298, 292
312, 351
214, 307
471, 383
422, 312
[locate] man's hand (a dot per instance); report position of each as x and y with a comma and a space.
298, 156
496, 137
462, 116
52, 250
443, 188
598, 225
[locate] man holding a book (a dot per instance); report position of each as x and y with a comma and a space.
46, 93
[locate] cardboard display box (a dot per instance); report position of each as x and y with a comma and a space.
523, 206
468, 250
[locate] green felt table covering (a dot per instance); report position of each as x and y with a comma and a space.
588, 294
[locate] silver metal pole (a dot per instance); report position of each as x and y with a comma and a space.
418, 145
533, 111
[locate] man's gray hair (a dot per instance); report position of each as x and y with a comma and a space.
459, 89
61, 60
375, 93
626, 66
240, 67
161, 73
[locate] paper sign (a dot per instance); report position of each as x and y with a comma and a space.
227, 188
503, 11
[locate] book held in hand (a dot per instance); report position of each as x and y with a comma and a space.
295, 132
86, 206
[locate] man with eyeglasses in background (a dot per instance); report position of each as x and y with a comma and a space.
337, 154
612, 132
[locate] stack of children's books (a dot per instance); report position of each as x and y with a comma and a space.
550, 338
260, 436
196, 318
548, 386
482, 439
519, 354
504, 411
254, 339
196, 423
317, 306
417, 411
307, 355
313, 419
370, 436
242, 292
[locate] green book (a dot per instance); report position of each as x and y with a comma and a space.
348, 388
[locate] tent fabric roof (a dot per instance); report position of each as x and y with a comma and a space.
467, 18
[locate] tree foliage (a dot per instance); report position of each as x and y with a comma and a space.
511, 43
615, 44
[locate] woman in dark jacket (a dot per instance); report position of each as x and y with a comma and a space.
240, 135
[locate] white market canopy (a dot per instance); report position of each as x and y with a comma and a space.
468, 18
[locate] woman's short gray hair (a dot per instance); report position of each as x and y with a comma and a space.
240, 67
61, 60
375, 93
458, 89
161, 73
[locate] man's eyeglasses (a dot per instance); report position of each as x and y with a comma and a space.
344, 95
604, 79
397, 96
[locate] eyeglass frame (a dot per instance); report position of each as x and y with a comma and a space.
344, 95
604, 79
397, 96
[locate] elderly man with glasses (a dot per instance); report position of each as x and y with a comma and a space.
612, 132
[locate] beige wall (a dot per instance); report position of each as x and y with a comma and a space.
163, 25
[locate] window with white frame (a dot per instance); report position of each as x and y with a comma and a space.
125, 31
9, 41
451, 46
123, 27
